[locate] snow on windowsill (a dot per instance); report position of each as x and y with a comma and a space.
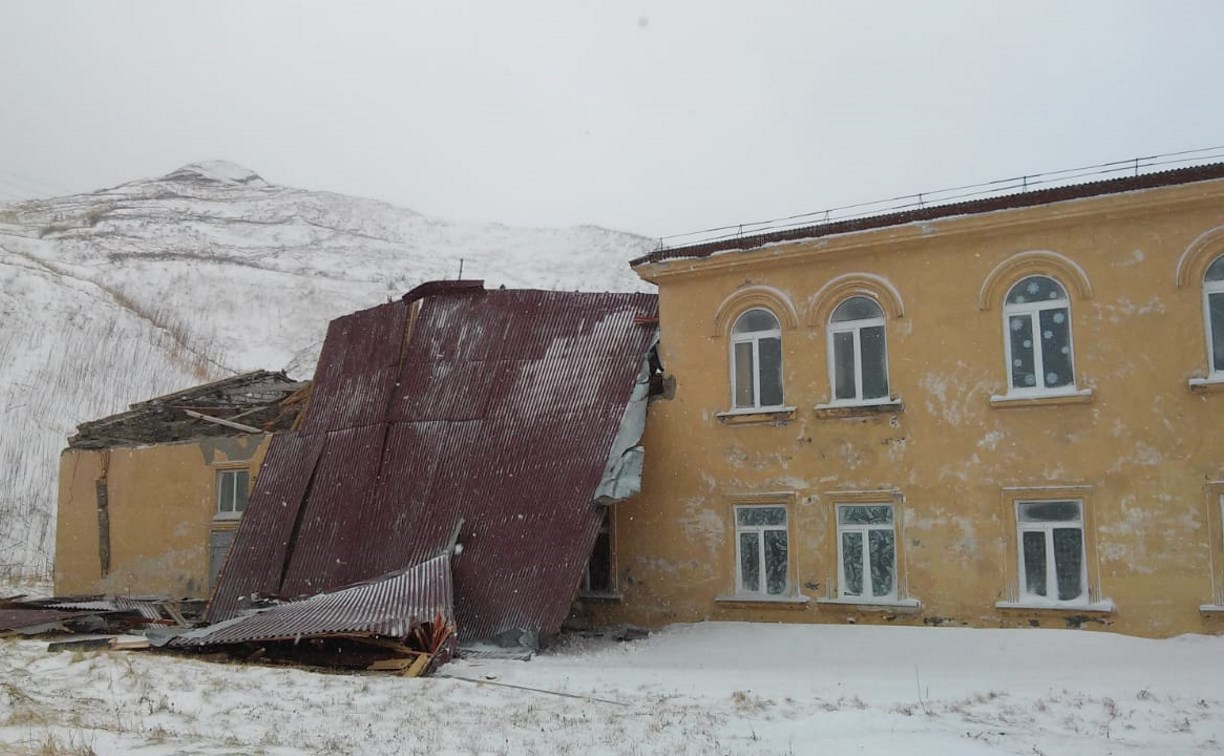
906, 606
795, 602
1211, 384
600, 596
859, 409
1104, 606
1038, 398
746, 415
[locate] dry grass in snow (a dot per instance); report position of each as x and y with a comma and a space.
700, 689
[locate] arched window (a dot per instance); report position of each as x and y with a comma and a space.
756, 360
858, 362
1037, 328
1213, 310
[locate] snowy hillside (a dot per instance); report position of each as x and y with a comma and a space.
122, 294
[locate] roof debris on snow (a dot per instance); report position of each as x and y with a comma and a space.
256, 402
500, 419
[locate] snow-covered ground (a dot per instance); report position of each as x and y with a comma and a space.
700, 689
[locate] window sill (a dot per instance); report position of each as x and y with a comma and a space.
1104, 606
1080, 396
760, 601
751, 415
861, 409
899, 606
1211, 385
1211, 609
226, 521
609, 596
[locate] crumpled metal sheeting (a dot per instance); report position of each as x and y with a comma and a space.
389, 607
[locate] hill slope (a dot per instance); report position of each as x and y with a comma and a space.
122, 294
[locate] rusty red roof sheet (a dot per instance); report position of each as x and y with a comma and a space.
390, 606
22, 619
973, 207
500, 409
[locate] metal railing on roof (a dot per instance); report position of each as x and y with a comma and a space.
1000, 187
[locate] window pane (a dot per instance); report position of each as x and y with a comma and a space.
755, 320
1020, 336
852, 563
856, 308
875, 376
1056, 347
1069, 562
241, 483
218, 548
225, 492
1034, 545
869, 515
843, 365
750, 563
1215, 303
1215, 272
883, 561
775, 562
761, 516
1049, 511
771, 372
1036, 289
744, 374
599, 569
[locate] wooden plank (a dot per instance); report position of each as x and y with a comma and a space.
222, 421
418, 666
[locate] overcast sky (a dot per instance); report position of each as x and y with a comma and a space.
655, 118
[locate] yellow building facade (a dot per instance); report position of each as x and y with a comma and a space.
150, 499
1008, 416
170, 512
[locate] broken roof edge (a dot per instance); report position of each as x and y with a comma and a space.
438, 288
622, 475
1015, 201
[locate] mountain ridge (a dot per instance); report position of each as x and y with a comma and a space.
113, 296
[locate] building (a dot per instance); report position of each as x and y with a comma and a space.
149, 499
1003, 412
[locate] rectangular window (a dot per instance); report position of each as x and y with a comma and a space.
762, 562
232, 488
598, 577
218, 547
1215, 310
866, 551
1052, 565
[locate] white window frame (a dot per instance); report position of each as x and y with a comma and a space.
1033, 310
754, 338
229, 476
856, 327
605, 529
868, 595
1209, 288
1047, 528
760, 531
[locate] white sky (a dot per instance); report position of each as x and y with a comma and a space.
658, 118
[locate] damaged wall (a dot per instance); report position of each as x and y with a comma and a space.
157, 519
1139, 445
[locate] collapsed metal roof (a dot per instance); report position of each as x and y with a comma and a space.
256, 402
390, 606
494, 414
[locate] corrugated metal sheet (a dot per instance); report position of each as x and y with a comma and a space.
18, 619
502, 412
390, 606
